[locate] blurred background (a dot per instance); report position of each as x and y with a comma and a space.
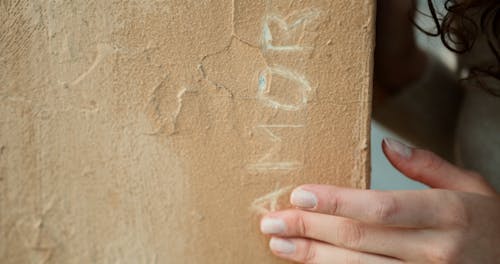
384, 176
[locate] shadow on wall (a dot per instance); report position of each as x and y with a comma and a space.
384, 176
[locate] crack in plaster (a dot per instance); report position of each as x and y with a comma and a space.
234, 36
172, 117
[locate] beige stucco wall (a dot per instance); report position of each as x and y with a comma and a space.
158, 131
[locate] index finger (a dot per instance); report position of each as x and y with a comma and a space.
426, 208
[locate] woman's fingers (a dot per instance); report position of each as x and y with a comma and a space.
310, 251
390, 208
399, 208
428, 168
345, 233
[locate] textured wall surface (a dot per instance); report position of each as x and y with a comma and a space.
158, 131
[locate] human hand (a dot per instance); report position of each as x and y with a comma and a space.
456, 222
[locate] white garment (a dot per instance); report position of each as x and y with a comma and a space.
478, 134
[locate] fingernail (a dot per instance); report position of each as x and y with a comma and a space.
272, 226
398, 147
281, 245
303, 199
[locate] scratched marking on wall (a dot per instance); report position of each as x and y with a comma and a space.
299, 88
297, 24
269, 202
265, 163
302, 87
103, 51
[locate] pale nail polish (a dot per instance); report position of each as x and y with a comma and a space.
303, 199
282, 245
272, 226
398, 147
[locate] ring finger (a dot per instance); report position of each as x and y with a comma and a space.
311, 251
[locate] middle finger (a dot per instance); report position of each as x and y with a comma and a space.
401, 243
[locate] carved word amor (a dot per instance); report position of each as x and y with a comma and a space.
293, 93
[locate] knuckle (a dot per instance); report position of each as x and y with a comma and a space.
457, 214
473, 174
302, 225
333, 203
433, 162
386, 208
350, 234
353, 259
445, 253
310, 253
477, 179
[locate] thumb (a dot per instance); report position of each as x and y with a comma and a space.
430, 169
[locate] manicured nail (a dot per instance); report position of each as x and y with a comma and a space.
398, 147
272, 226
303, 199
281, 245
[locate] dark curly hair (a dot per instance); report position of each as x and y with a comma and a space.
462, 24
